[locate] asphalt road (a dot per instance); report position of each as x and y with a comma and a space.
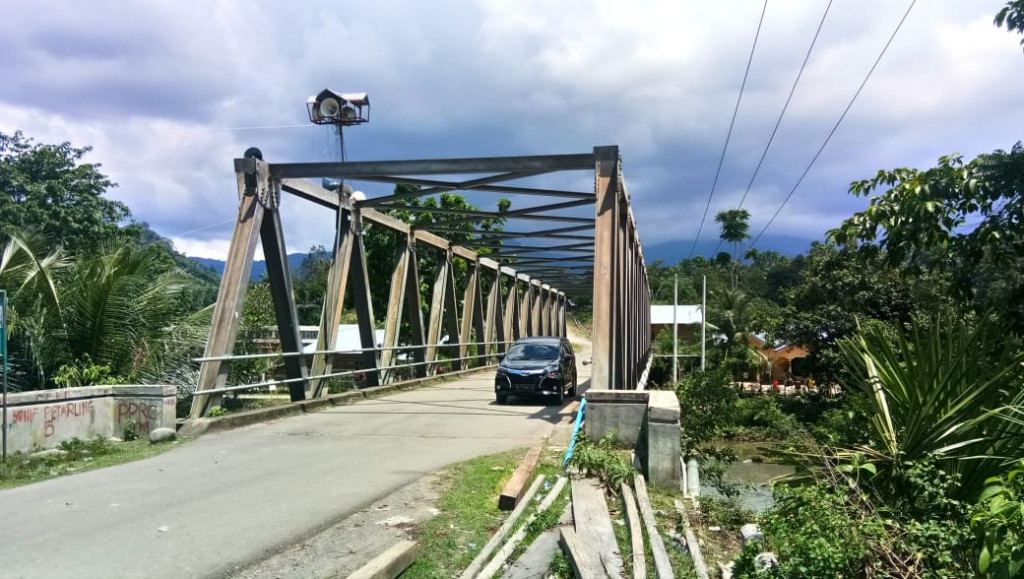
232, 498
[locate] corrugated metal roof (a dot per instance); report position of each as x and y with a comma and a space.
685, 315
348, 339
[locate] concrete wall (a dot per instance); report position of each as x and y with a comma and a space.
619, 410
45, 418
663, 449
648, 421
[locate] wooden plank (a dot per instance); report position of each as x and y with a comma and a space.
661, 561
585, 562
513, 491
636, 533
503, 531
506, 550
594, 524
535, 561
692, 544
390, 563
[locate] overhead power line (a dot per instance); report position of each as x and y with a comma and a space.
732, 123
836, 126
785, 107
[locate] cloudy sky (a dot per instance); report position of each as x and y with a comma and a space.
168, 92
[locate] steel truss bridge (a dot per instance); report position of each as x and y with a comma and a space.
512, 291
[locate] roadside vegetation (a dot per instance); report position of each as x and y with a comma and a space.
74, 456
904, 420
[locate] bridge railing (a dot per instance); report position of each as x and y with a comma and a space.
622, 295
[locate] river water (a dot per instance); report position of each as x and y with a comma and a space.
754, 477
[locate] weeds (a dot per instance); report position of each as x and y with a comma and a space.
602, 459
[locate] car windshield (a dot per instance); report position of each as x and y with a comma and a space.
520, 352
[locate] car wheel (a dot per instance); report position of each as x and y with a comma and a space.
560, 396
502, 398
572, 391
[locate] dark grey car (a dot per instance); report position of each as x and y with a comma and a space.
537, 367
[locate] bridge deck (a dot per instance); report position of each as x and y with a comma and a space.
234, 497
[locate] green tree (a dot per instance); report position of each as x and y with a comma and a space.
50, 189
735, 230
118, 303
1012, 17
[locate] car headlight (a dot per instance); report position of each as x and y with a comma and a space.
552, 372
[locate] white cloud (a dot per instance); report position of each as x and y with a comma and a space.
147, 85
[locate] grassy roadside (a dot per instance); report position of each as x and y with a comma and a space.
469, 513
79, 456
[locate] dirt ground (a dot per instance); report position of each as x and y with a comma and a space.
343, 548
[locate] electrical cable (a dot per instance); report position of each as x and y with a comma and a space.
836, 126
732, 123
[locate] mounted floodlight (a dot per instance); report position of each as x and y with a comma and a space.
343, 109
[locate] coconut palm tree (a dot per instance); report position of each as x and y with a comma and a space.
118, 305
30, 272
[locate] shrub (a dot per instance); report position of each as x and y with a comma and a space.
815, 533
999, 522
603, 460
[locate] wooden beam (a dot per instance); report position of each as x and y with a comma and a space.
509, 547
636, 533
585, 561
478, 562
662, 564
230, 298
594, 524
516, 486
390, 563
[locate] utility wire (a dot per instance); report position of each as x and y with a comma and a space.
782, 114
836, 127
785, 107
728, 135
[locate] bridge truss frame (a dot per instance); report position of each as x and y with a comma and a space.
527, 294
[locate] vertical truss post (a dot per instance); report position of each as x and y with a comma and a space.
562, 305
278, 273
526, 311
437, 313
536, 315
415, 311
334, 301
396, 299
512, 318
364, 305
605, 255
495, 323
233, 285
451, 309
545, 310
470, 311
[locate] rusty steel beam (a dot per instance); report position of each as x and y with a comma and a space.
357, 169
231, 296
276, 256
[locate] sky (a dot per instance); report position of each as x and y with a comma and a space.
167, 93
